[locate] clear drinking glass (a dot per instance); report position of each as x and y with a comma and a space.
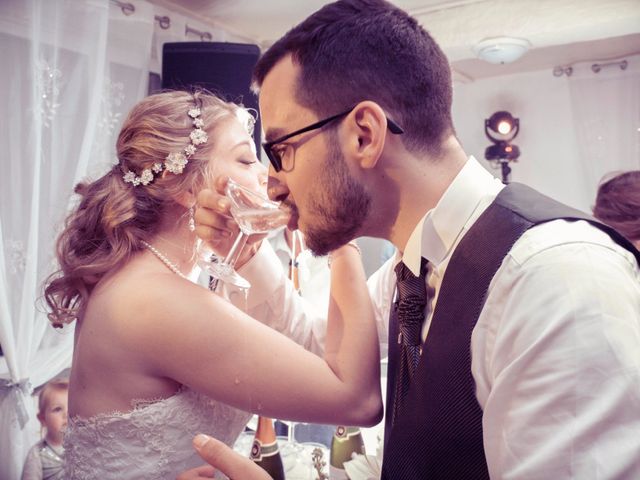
254, 213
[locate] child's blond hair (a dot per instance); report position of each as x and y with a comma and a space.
55, 385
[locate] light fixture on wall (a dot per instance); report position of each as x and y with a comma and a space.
501, 49
501, 128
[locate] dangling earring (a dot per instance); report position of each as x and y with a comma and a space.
192, 221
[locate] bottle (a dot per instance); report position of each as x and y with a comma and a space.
265, 451
295, 243
346, 441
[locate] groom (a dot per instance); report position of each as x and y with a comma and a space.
512, 321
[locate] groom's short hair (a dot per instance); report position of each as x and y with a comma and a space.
354, 50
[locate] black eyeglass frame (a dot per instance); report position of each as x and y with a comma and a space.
277, 162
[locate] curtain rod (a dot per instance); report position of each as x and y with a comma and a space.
596, 67
203, 35
126, 7
164, 21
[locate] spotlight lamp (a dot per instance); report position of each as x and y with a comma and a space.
501, 128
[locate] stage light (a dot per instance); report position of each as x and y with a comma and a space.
501, 128
503, 123
504, 127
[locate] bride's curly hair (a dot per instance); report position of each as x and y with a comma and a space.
113, 218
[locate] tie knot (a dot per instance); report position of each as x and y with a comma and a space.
403, 273
412, 300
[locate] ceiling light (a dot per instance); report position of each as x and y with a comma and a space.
501, 49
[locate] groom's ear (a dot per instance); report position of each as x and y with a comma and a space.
364, 134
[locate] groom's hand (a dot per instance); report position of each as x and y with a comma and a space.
224, 459
205, 471
215, 224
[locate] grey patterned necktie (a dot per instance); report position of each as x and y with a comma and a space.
410, 306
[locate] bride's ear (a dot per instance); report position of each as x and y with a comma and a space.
186, 199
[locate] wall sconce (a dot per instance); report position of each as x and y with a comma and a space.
501, 128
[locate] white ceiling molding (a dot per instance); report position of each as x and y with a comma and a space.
436, 5
560, 31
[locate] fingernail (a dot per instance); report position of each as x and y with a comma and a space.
222, 203
200, 440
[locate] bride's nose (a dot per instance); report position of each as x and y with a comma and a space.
263, 175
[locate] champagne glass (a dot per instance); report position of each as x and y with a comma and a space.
254, 213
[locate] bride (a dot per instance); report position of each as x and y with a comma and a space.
158, 358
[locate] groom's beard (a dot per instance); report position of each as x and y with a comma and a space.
341, 205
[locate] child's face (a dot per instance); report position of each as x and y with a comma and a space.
54, 416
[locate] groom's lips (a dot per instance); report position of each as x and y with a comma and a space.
293, 217
293, 222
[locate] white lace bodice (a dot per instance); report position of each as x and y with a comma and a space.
152, 441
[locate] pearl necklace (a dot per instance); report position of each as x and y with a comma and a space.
165, 260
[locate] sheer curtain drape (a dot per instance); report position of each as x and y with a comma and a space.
71, 69
606, 119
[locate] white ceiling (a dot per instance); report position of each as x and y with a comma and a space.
561, 32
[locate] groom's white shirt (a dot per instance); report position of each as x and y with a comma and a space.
555, 352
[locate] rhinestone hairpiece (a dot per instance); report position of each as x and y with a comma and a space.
175, 161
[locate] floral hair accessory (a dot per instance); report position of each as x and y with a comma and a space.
175, 161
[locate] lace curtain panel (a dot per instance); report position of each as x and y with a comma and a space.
71, 71
606, 116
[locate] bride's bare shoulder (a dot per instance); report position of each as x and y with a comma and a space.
146, 295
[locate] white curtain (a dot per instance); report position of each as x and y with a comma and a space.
70, 71
606, 116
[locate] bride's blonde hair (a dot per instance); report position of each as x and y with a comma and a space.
113, 217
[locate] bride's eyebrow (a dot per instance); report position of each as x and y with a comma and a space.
244, 143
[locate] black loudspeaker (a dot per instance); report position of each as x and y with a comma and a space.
222, 68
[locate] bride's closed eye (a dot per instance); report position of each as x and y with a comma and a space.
246, 161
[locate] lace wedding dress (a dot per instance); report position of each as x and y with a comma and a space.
153, 441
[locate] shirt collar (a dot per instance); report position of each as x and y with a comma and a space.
436, 233
278, 241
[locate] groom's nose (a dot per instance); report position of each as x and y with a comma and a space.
276, 188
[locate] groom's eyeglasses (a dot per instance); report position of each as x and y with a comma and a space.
276, 150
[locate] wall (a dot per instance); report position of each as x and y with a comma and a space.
549, 159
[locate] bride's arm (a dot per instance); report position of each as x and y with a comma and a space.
198, 339
273, 300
